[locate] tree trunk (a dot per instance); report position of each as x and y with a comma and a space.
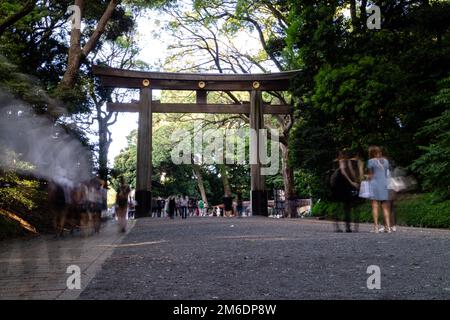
201, 185
225, 181
353, 14
288, 179
363, 10
103, 144
76, 53
74, 60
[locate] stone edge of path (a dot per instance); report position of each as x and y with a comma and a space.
94, 267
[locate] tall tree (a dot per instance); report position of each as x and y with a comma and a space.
120, 53
8, 21
109, 18
77, 51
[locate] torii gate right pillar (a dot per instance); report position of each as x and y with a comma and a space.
144, 155
258, 185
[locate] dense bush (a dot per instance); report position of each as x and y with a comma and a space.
25, 198
411, 210
432, 166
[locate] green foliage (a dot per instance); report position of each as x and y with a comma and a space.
169, 178
425, 211
22, 196
125, 163
359, 97
307, 183
19, 193
361, 87
16, 193
433, 165
414, 211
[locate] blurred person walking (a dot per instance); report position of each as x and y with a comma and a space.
345, 187
398, 181
191, 207
178, 205
95, 204
91, 202
184, 202
172, 205
357, 172
239, 204
122, 204
378, 167
166, 208
104, 193
201, 207
131, 206
159, 206
79, 217
57, 203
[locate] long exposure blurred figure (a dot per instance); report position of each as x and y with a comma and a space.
178, 205
160, 207
91, 202
69, 208
57, 206
94, 204
191, 207
345, 186
98, 205
122, 204
394, 171
81, 217
104, 197
201, 207
357, 171
131, 205
239, 204
172, 205
378, 167
154, 207
184, 202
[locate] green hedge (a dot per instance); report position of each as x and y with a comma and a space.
411, 210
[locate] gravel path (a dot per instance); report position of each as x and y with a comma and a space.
262, 258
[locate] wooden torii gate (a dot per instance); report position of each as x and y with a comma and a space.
201, 83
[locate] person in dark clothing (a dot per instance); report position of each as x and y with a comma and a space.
345, 186
172, 207
239, 204
122, 204
158, 207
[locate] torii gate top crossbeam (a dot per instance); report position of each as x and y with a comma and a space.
119, 78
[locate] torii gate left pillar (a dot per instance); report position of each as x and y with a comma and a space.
144, 155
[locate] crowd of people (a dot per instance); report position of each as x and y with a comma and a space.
175, 206
353, 181
77, 206
182, 206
